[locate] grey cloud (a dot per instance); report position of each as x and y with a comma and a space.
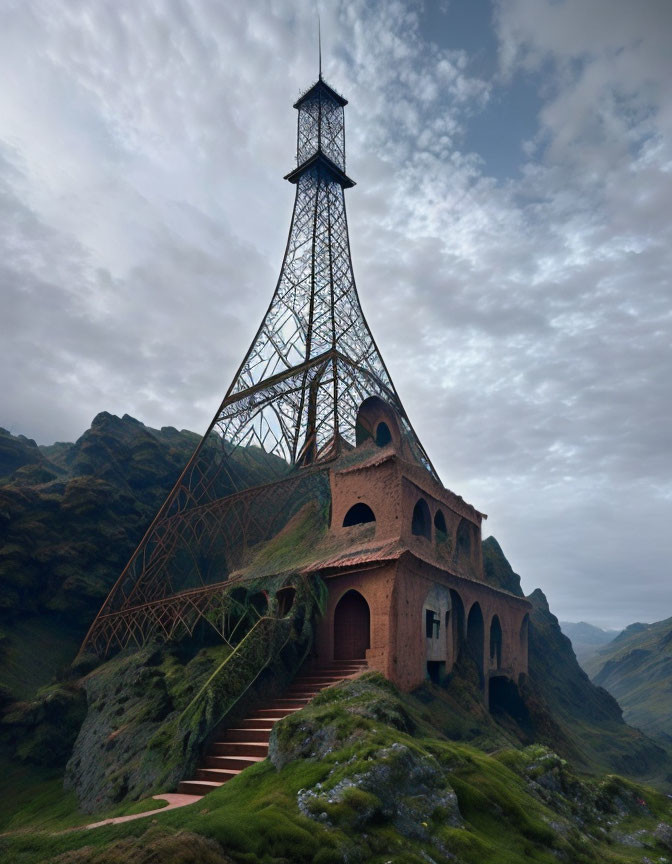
526, 321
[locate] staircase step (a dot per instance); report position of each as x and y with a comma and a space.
228, 763
256, 735
275, 713
247, 744
197, 787
302, 694
292, 702
217, 775
258, 723
236, 763
239, 748
339, 670
319, 674
326, 673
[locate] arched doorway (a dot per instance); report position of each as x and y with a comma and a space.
352, 623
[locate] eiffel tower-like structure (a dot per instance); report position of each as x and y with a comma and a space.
313, 360
289, 413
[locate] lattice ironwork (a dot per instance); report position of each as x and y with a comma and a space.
291, 408
321, 124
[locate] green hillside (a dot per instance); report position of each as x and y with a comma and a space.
365, 775
636, 668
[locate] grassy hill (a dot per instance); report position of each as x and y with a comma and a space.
365, 774
636, 668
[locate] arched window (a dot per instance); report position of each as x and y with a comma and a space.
496, 641
285, 598
383, 434
463, 545
359, 514
375, 421
440, 525
421, 524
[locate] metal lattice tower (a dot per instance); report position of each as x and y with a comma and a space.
291, 408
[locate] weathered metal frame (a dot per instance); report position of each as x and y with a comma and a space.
294, 400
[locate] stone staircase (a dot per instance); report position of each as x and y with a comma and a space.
247, 744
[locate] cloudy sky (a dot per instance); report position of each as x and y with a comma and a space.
510, 230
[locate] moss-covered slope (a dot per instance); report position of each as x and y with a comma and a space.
363, 775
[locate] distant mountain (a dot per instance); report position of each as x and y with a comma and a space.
22, 459
586, 638
636, 668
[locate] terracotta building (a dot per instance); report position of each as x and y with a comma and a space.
407, 590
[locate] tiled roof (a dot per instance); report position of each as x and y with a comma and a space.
376, 458
366, 554
376, 553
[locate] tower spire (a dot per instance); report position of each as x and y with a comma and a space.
319, 44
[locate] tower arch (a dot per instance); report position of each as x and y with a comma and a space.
359, 514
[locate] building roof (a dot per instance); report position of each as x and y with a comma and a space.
323, 161
319, 87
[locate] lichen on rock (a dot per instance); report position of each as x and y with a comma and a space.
397, 785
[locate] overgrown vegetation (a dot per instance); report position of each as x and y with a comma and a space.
151, 712
70, 517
